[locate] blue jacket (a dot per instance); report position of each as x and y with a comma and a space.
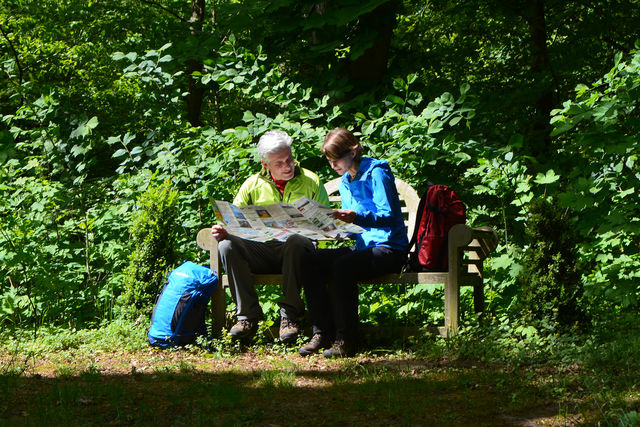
373, 195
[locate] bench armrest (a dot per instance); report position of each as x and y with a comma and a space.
207, 242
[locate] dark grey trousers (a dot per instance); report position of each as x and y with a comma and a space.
241, 258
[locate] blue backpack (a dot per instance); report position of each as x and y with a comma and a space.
178, 315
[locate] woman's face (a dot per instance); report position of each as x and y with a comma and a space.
343, 164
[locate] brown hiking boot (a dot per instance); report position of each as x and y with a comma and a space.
339, 349
245, 328
316, 342
289, 330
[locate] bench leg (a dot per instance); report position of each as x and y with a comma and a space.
451, 304
478, 298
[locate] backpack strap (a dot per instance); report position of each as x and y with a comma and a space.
419, 213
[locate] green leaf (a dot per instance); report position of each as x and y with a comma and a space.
563, 127
85, 128
92, 123
523, 187
507, 262
395, 99
548, 178
76, 150
435, 127
462, 157
113, 139
618, 167
625, 193
128, 138
575, 201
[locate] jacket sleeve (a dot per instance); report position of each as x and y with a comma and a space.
320, 194
243, 198
380, 213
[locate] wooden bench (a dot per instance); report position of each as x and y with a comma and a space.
468, 247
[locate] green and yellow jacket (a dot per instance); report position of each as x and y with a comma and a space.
259, 189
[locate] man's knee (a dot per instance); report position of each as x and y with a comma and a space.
298, 244
225, 247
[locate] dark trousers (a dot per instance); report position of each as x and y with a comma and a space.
331, 288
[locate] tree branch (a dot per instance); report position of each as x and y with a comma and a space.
15, 54
164, 8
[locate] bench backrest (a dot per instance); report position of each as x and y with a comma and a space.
409, 200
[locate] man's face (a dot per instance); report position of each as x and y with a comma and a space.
280, 164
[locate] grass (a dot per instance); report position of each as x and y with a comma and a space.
340, 395
486, 376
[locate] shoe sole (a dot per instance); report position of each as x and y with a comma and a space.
288, 339
306, 353
246, 336
337, 355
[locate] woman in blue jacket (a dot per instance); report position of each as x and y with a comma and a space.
370, 200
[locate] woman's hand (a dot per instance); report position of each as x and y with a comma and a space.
346, 215
219, 232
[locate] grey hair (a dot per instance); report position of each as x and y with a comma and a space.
273, 141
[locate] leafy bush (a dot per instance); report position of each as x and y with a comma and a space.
154, 235
598, 134
550, 281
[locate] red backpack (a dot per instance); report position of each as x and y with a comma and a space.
440, 209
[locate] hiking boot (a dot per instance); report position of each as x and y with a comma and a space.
289, 330
339, 349
316, 342
245, 328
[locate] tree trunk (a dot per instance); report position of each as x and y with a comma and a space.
196, 90
543, 78
368, 69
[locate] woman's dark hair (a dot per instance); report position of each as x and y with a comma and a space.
339, 142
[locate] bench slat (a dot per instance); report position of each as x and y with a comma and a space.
394, 279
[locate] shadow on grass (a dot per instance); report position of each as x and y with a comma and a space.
355, 394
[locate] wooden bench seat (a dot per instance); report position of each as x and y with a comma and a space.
467, 249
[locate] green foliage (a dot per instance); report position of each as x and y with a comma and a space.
153, 233
56, 266
550, 279
96, 95
598, 132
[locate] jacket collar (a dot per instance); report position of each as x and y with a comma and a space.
366, 164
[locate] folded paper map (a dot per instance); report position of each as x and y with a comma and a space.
280, 220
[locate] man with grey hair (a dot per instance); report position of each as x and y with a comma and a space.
280, 180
